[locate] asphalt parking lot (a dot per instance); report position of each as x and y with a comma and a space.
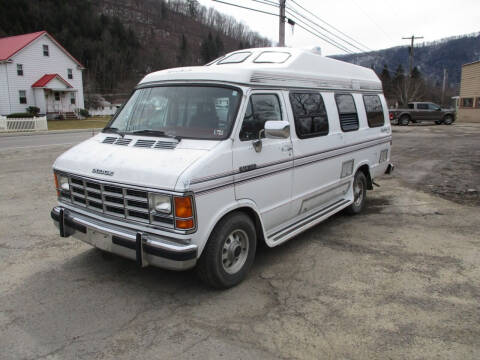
401, 280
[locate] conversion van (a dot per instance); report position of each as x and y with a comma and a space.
203, 163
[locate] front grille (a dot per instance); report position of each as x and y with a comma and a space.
113, 200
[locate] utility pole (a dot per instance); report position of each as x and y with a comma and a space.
445, 74
412, 38
281, 25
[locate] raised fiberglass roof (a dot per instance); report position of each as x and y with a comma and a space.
279, 67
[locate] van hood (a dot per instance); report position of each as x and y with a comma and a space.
130, 164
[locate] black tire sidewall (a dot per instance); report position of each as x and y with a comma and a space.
450, 118
401, 122
352, 209
210, 263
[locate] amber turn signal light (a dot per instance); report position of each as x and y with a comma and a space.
183, 207
56, 184
184, 224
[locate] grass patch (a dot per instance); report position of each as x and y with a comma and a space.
89, 123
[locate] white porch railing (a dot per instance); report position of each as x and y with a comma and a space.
23, 124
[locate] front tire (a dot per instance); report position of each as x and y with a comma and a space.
404, 120
448, 120
359, 193
229, 252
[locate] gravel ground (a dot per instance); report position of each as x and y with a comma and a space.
444, 160
401, 280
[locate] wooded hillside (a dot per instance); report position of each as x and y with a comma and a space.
119, 41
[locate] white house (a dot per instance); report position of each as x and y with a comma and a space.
104, 108
35, 70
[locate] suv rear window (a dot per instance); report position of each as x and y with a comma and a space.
374, 109
347, 112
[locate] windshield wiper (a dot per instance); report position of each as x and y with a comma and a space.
114, 130
154, 133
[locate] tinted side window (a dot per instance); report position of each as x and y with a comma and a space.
261, 108
374, 109
310, 114
422, 106
347, 112
433, 107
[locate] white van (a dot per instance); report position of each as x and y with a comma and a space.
203, 163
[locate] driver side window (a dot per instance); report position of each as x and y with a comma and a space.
260, 108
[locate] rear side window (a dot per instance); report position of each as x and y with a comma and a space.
347, 112
260, 108
374, 109
310, 115
422, 106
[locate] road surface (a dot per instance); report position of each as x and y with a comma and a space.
42, 140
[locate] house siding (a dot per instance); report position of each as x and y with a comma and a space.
4, 104
35, 65
470, 88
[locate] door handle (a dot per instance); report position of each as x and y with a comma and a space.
287, 148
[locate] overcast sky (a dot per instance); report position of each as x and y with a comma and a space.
377, 24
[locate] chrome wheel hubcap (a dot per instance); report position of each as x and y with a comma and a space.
358, 192
235, 251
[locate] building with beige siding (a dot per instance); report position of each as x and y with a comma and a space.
469, 102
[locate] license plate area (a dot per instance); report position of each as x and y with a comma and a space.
99, 239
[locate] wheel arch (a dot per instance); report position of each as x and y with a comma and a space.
365, 168
246, 206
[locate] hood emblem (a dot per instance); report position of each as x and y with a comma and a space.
102, 172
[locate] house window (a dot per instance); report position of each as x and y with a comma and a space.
261, 108
19, 69
374, 109
310, 114
467, 102
347, 112
45, 50
72, 98
70, 73
477, 102
57, 96
22, 94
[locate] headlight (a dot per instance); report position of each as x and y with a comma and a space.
63, 183
161, 203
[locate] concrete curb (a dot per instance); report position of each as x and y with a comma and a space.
51, 132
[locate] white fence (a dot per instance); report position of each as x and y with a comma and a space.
23, 124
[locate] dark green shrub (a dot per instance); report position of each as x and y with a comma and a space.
83, 113
33, 110
19, 115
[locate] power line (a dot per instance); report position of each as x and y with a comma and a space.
373, 21
325, 29
248, 8
326, 23
319, 35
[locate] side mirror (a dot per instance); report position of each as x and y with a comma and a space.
277, 129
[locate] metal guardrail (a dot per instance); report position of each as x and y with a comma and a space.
23, 124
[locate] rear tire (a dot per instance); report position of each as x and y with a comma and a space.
448, 120
359, 193
404, 120
229, 252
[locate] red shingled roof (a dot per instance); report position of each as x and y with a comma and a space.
11, 45
45, 79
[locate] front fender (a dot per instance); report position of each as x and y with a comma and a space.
236, 205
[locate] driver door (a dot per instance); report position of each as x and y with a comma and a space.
264, 175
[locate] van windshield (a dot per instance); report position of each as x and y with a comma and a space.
196, 112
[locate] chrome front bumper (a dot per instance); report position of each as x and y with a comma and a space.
144, 248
